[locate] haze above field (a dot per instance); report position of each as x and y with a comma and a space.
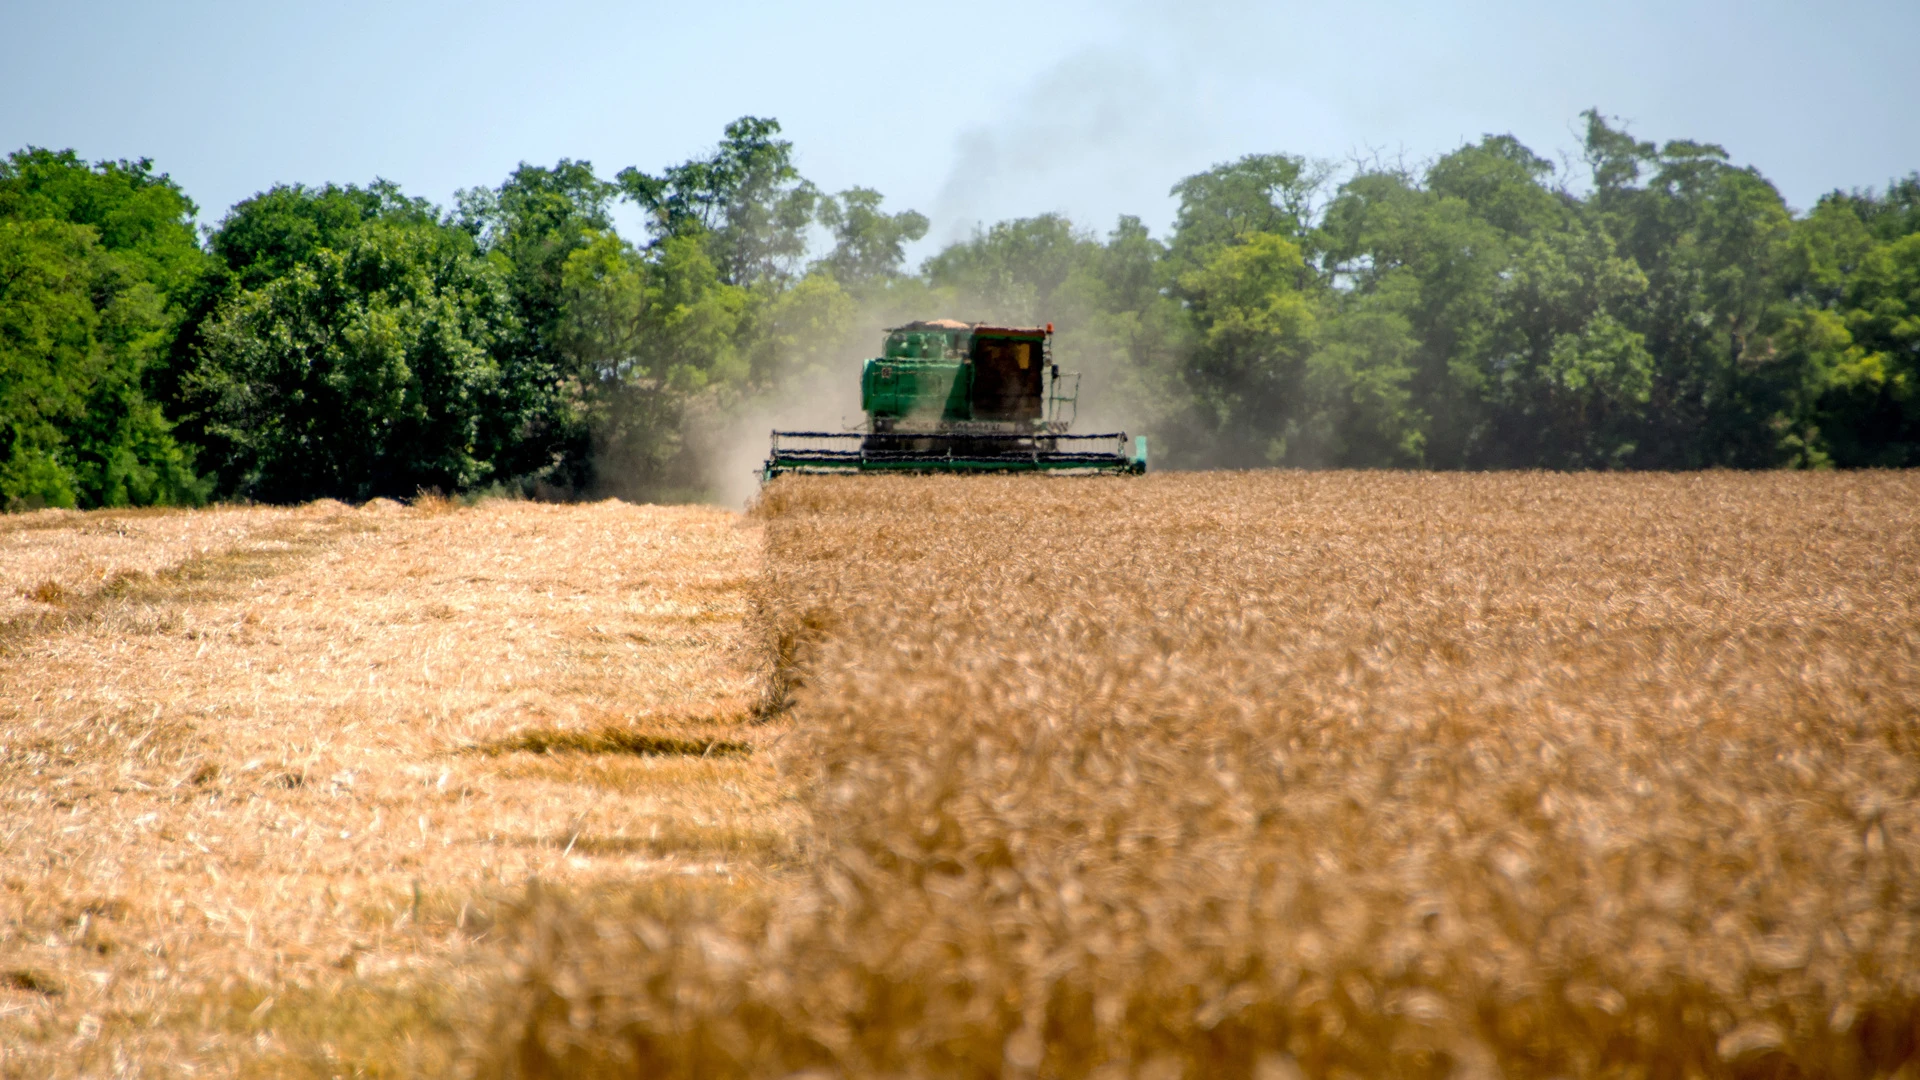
998, 111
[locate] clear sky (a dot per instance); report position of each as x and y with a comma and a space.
969, 113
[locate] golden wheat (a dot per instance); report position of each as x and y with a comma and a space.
1308, 774
267, 776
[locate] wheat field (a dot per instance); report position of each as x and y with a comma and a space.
1267, 775
1303, 774
273, 780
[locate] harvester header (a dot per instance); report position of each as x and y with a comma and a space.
949, 396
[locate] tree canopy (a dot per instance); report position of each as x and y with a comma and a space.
1653, 306
98, 268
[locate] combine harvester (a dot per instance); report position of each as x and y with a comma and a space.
947, 396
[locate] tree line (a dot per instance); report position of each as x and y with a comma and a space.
1656, 307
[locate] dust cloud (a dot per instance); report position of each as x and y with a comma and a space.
821, 400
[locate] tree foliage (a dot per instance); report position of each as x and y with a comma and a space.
369, 368
869, 245
1661, 307
647, 334
98, 265
746, 202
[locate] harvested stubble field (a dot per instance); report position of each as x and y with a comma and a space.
272, 781
1306, 774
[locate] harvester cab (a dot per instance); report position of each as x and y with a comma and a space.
948, 396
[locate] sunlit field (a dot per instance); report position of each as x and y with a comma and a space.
1264, 774
273, 780
1285, 774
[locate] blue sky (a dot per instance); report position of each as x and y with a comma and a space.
970, 113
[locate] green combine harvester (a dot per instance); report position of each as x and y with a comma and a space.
947, 396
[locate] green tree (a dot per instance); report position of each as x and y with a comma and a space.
1864, 352
1713, 241
647, 333
1887, 215
1258, 194
272, 233
1131, 339
1253, 307
530, 226
1358, 409
97, 266
747, 203
1432, 260
804, 334
141, 216
1011, 271
1503, 184
1567, 380
367, 369
869, 244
